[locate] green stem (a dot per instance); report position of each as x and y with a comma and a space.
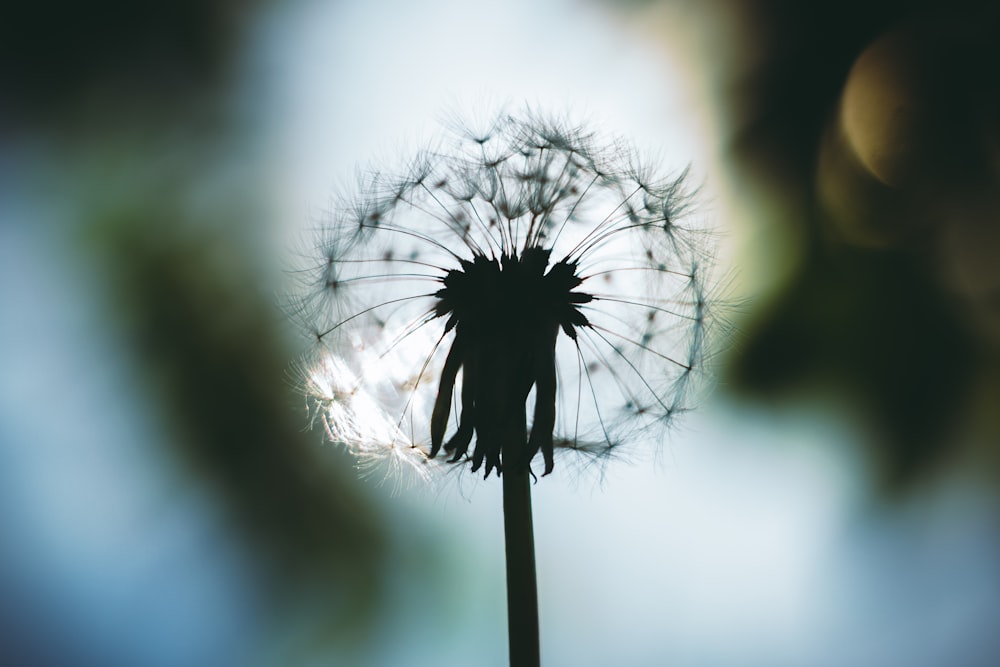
522, 590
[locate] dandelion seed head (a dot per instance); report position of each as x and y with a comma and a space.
524, 278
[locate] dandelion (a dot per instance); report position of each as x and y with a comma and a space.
525, 265
522, 269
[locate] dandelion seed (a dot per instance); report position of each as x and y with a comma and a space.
524, 271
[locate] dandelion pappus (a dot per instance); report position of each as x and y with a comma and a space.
527, 269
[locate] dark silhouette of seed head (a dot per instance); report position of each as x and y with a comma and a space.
506, 314
524, 289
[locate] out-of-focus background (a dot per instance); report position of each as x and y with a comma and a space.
833, 502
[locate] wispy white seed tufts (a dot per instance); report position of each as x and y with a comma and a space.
525, 271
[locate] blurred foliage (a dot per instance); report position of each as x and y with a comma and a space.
879, 316
883, 197
58, 58
872, 328
138, 141
220, 374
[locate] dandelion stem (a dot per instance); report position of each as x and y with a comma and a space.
522, 590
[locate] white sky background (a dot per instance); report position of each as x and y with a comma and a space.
356, 82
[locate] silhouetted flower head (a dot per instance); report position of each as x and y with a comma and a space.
520, 290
